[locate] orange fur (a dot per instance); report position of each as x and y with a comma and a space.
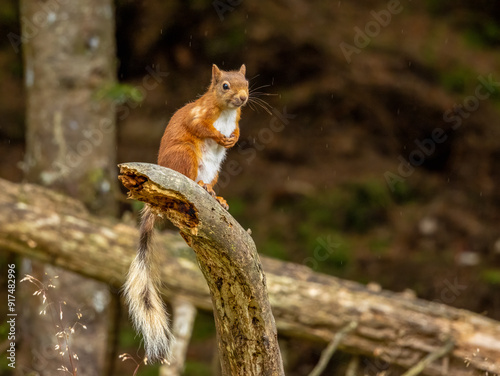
181, 147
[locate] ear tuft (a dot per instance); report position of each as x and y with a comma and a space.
243, 69
216, 73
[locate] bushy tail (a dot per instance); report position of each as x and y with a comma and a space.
141, 291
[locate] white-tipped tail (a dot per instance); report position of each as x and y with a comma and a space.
142, 294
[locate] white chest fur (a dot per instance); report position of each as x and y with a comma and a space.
212, 153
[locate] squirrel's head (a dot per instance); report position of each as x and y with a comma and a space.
230, 87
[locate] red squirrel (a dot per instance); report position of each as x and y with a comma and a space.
194, 143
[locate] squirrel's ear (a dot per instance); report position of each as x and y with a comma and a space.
243, 69
216, 73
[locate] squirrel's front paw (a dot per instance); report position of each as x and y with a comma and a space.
229, 142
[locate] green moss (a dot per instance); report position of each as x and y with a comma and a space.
95, 176
434, 7
149, 370
237, 206
458, 80
9, 13
197, 369
484, 33
230, 44
380, 246
329, 252
137, 206
403, 193
355, 207
128, 338
204, 326
367, 206
120, 93
275, 247
491, 276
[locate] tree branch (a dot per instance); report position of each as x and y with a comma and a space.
38, 223
246, 331
439, 353
328, 352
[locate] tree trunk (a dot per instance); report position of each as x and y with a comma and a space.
69, 61
392, 327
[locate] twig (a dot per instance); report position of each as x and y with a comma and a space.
352, 367
328, 352
420, 366
125, 356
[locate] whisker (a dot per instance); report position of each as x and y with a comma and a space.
257, 98
262, 93
254, 77
261, 101
251, 105
262, 104
253, 98
260, 87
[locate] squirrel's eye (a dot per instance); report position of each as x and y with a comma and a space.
225, 86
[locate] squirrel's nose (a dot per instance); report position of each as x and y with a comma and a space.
243, 97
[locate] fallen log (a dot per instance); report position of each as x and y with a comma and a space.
391, 327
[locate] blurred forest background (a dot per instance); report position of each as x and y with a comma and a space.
352, 101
